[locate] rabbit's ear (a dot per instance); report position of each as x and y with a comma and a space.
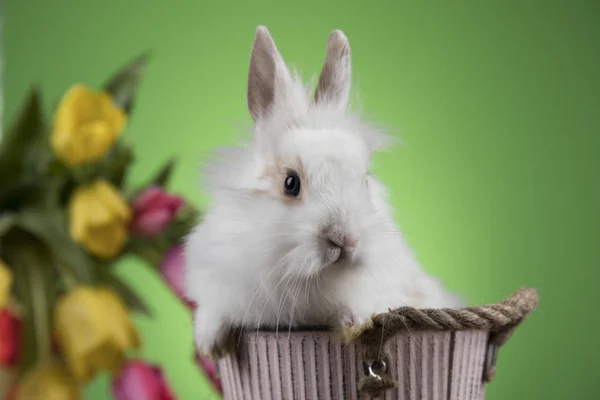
334, 82
268, 75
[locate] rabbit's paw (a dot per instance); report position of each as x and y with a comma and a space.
348, 320
213, 339
352, 325
224, 347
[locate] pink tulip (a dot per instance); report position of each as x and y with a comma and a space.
140, 381
172, 271
10, 338
153, 210
210, 370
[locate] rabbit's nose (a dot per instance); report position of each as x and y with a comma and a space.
336, 236
338, 244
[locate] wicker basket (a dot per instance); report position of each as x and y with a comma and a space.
404, 354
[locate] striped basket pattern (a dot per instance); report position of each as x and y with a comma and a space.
315, 365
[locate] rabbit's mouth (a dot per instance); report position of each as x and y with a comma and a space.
336, 256
333, 255
343, 256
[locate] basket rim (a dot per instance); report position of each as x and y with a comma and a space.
490, 317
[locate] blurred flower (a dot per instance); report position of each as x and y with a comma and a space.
140, 381
10, 334
93, 330
8, 383
210, 370
121, 328
6, 279
48, 382
172, 269
85, 126
12, 393
98, 218
153, 211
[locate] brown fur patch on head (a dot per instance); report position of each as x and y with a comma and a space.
275, 176
298, 168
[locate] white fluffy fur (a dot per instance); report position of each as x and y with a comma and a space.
255, 259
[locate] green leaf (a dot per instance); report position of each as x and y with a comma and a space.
50, 226
24, 157
114, 167
161, 178
148, 251
57, 168
17, 140
128, 295
34, 285
21, 191
7, 222
32, 191
123, 85
185, 220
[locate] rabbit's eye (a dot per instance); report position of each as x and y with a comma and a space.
291, 185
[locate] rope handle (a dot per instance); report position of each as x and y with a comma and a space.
500, 319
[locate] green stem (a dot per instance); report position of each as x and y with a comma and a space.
84, 174
148, 253
40, 317
68, 278
154, 256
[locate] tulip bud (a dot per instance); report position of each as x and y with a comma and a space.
85, 126
172, 270
140, 381
10, 335
98, 217
93, 330
121, 328
153, 210
6, 279
48, 382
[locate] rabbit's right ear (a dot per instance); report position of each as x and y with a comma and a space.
268, 76
334, 81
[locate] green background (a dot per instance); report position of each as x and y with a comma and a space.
496, 183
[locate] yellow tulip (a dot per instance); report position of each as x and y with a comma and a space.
93, 330
85, 126
48, 381
98, 218
121, 328
6, 279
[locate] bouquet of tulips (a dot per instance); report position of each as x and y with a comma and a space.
67, 216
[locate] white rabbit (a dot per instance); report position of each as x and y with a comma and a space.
299, 233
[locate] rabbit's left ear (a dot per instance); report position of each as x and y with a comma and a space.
269, 80
334, 81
